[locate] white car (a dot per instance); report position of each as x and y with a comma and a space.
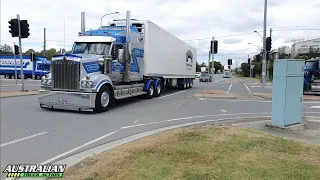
226, 74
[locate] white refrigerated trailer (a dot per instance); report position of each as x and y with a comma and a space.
124, 59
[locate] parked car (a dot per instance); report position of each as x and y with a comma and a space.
205, 78
198, 74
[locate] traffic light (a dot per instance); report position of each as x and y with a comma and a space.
24, 29
268, 56
214, 49
229, 62
268, 44
258, 57
16, 50
32, 57
249, 60
14, 27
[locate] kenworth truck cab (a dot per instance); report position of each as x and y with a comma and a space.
116, 62
312, 75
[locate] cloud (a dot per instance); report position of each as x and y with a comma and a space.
186, 19
232, 41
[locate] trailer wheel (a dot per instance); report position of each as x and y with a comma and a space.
158, 89
103, 100
150, 91
6, 76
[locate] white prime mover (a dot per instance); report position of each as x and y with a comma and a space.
116, 62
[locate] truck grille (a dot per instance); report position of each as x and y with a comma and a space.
66, 75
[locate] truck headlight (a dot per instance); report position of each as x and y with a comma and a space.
43, 81
49, 82
86, 84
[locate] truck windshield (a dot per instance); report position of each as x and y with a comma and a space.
91, 48
309, 64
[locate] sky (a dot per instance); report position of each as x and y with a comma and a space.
230, 22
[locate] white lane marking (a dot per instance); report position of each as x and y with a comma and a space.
22, 139
190, 117
247, 88
79, 147
172, 94
229, 88
317, 107
222, 110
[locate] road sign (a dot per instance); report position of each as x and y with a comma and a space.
252, 66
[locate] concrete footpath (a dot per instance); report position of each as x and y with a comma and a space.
5, 94
308, 131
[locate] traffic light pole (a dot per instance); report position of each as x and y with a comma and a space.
264, 59
21, 64
15, 64
212, 59
32, 65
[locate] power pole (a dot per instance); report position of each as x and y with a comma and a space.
264, 58
250, 66
44, 41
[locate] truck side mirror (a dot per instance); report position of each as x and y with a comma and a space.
120, 54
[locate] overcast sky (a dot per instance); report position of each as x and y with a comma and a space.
187, 19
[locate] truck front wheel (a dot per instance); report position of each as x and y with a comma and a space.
103, 100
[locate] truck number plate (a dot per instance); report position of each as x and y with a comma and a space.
62, 99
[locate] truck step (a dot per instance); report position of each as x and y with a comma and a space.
130, 95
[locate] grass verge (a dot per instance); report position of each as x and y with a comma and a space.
203, 152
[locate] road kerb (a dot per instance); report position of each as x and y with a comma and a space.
268, 96
7, 94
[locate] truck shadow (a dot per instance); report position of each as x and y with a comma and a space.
121, 103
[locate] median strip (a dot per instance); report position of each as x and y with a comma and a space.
6, 94
215, 94
203, 152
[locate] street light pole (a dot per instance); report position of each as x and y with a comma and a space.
105, 15
264, 57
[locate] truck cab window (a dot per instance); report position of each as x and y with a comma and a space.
115, 49
91, 48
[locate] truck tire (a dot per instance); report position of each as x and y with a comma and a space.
103, 100
158, 89
38, 77
150, 91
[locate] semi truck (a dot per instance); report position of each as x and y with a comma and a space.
127, 58
312, 75
41, 66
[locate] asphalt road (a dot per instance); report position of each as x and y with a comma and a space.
31, 135
11, 85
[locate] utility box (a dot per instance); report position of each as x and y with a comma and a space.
287, 92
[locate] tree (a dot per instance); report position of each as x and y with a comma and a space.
217, 66
198, 67
30, 51
51, 52
245, 69
6, 49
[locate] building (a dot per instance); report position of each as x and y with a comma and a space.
304, 47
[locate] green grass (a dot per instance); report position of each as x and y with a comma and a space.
205, 153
